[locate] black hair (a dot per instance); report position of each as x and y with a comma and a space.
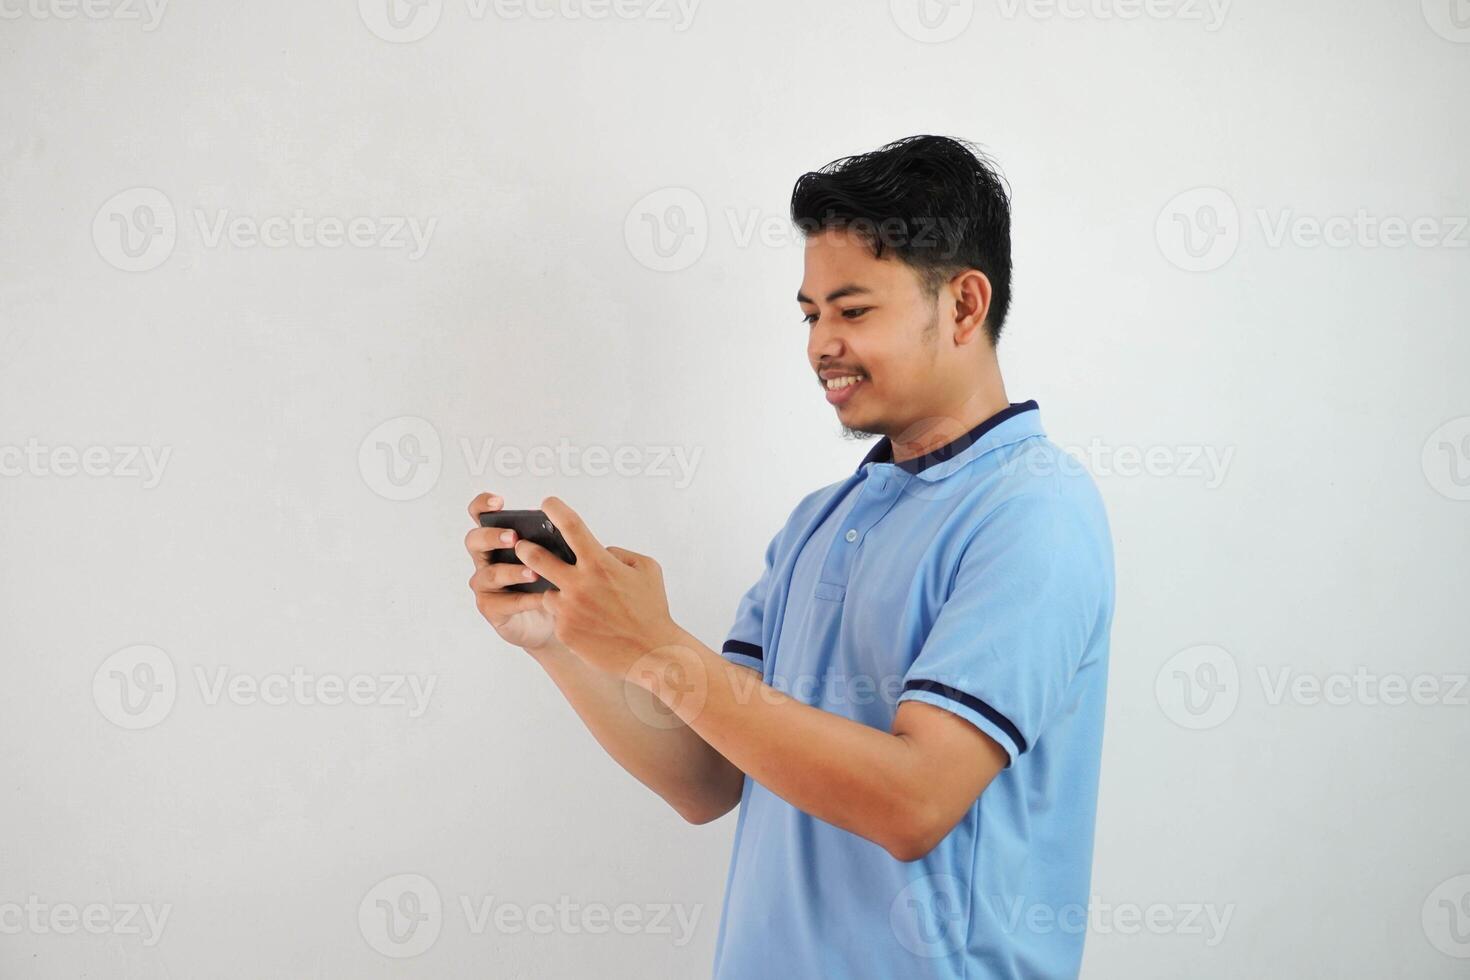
939, 203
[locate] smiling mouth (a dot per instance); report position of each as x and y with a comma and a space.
840, 389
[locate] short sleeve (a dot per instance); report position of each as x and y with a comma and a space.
743, 644
1033, 586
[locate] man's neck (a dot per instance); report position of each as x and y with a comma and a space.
929, 432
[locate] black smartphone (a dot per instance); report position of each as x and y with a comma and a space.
533, 526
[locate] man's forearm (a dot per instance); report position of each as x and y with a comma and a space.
646, 738
849, 774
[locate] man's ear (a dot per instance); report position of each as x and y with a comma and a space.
970, 292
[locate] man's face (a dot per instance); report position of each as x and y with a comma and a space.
870, 319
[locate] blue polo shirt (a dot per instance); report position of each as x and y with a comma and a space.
977, 578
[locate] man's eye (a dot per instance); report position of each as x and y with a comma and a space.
851, 314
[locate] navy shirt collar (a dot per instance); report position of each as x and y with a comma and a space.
882, 451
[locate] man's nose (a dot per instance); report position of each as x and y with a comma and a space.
823, 342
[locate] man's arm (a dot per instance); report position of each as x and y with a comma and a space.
648, 740
903, 790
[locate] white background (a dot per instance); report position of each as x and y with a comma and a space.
1332, 378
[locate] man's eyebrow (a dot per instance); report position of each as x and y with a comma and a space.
851, 289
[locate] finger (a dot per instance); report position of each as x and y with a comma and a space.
500, 606
543, 562
480, 541
495, 576
574, 529
484, 503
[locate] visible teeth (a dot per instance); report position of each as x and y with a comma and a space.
834, 384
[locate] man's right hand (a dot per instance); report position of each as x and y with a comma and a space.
517, 616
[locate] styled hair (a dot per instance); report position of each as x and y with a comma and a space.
939, 204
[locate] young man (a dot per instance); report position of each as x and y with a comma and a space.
909, 706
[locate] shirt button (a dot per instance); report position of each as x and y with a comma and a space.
852, 534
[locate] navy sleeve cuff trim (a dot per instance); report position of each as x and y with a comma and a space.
741, 647
974, 704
